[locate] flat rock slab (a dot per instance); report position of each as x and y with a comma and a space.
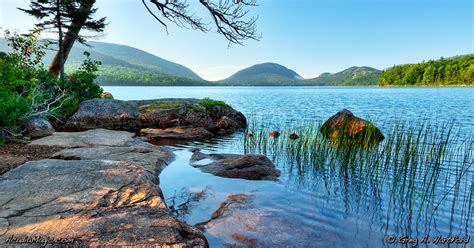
95, 137
88, 202
250, 167
150, 157
176, 134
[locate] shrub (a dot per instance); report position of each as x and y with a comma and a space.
210, 103
12, 110
27, 89
80, 86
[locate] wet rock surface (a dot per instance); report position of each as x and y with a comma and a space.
105, 193
160, 113
239, 222
250, 167
347, 129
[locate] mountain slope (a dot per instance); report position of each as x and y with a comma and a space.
116, 58
262, 74
352, 76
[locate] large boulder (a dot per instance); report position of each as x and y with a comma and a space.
38, 127
344, 128
161, 113
84, 203
250, 167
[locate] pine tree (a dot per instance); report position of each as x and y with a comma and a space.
66, 18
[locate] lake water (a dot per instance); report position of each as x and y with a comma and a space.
330, 208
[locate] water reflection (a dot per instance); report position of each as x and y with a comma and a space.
354, 197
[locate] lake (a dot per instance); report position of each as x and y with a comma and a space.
314, 206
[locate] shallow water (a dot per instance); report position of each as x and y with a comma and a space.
328, 207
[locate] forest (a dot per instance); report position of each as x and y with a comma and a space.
443, 72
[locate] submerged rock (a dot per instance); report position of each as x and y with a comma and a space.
160, 113
243, 222
346, 129
274, 134
250, 167
38, 127
294, 136
176, 134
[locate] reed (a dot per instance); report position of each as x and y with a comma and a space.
418, 171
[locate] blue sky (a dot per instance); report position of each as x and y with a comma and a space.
308, 36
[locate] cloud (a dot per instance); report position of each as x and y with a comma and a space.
309, 75
215, 72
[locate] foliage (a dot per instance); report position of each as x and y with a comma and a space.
211, 104
111, 75
80, 85
12, 109
28, 90
453, 71
59, 15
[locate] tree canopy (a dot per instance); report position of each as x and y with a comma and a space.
452, 71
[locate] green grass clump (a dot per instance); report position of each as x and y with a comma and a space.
159, 105
210, 104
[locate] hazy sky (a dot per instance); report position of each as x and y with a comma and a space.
308, 36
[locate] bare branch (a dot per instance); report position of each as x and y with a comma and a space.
228, 16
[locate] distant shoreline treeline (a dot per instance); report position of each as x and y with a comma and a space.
443, 72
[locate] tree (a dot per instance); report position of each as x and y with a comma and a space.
228, 16
61, 15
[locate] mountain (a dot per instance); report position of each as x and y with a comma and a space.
262, 74
277, 75
128, 66
123, 65
352, 76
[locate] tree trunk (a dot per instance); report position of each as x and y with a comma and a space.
71, 36
60, 41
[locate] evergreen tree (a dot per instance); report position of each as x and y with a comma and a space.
66, 18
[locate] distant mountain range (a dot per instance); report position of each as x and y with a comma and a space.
124, 65
270, 74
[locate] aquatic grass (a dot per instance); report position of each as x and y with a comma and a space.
419, 171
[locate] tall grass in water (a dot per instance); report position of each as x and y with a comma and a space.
418, 172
